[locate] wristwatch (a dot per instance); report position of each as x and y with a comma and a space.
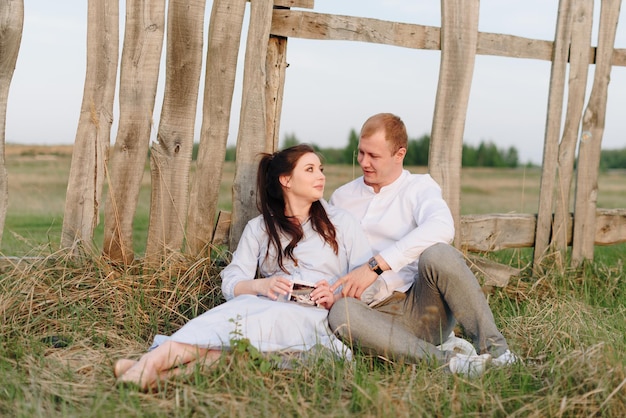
373, 265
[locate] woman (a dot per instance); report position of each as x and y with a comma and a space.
297, 234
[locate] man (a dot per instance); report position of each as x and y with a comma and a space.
395, 306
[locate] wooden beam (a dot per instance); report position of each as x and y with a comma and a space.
497, 231
304, 4
311, 25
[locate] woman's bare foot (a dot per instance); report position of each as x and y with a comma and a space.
122, 365
139, 374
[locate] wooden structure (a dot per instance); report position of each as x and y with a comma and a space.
178, 219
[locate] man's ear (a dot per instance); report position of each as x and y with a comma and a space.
284, 180
401, 153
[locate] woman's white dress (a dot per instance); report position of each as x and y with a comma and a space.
270, 325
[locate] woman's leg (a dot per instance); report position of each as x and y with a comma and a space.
156, 363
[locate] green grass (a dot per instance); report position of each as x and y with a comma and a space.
65, 321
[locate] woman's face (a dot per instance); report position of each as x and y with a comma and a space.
307, 179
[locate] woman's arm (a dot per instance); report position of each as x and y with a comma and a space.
271, 287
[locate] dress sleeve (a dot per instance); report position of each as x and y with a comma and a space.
245, 260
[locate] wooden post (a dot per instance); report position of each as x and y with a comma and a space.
459, 34
560, 57
141, 56
591, 137
93, 136
251, 139
275, 67
11, 25
223, 48
170, 159
579, 67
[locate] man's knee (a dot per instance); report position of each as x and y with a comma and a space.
440, 255
340, 313
436, 253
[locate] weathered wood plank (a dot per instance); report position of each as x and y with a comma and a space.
619, 57
170, 156
578, 70
489, 272
141, 58
11, 27
591, 137
224, 37
459, 35
512, 46
303, 4
553, 129
93, 135
610, 226
312, 25
493, 232
276, 64
252, 129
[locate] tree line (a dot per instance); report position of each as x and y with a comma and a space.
486, 154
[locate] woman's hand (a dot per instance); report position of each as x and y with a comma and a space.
322, 295
275, 286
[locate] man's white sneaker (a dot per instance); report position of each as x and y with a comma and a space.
470, 366
458, 345
505, 359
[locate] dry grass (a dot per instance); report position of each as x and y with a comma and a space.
65, 320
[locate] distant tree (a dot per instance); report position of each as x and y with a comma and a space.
417, 151
290, 140
511, 158
612, 159
331, 155
468, 156
350, 152
488, 155
231, 153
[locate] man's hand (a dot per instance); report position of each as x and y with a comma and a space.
355, 282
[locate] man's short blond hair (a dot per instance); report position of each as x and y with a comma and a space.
392, 125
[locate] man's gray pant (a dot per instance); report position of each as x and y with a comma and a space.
409, 325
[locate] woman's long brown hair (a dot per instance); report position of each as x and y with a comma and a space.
271, 204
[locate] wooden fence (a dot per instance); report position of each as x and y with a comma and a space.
180, 207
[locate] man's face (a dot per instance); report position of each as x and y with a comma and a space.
380, 167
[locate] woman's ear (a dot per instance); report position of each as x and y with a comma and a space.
284, 181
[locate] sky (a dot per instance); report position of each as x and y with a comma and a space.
331, 87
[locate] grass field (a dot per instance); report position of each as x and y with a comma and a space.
65, 321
